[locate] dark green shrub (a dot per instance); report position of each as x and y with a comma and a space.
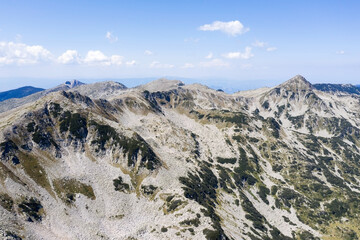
274, 189
174, 204
120, 185
337, 208
263, 192
30, 127
226, 160
31, 207
191, 222
6, 201
55, 109
149, 189
131, 146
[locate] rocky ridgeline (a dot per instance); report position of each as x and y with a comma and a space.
172, 161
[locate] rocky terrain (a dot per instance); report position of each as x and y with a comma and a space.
172, 161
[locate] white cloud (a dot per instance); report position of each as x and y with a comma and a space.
22, 54
209, 56
188, 65
341, 52
115, 60
95, 57
111, 37
99, 58
259, 44
68, 57
240, 55
232, 28
214, 63
157, 64
131, 63
271, 49
148, 52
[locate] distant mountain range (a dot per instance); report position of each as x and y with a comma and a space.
16, 101
19, 92
347, 88
29, 90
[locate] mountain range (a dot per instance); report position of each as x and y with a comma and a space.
19, 92
166, 160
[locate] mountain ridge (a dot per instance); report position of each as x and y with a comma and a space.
19, 92
187, 162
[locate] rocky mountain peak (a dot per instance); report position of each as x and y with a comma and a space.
73, 83
101, 89
162, 84
296, 84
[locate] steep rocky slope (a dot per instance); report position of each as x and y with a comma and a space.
173, 161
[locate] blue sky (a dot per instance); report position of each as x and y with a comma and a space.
230, 44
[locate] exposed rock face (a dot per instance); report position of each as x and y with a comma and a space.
171, 161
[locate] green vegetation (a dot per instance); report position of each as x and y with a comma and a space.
169, 198
265, 104
305, 235
8, 150
225, 179
191, 222
196, 150
197, 114
274, 126
66, 189
337, 208
35, 171
12, 236
75, 123
131, 146
172, 206
148, 189
120, 185
263, 192
287, 195
253, 214
164, 229
30, 127
201, 187
6, 202
237, 118
32, 209
297, 121
242, 173
44, 140
226, 160
274, 189
277, 235
55, 109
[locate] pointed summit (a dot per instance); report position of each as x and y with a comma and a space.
73, 83
297, 83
